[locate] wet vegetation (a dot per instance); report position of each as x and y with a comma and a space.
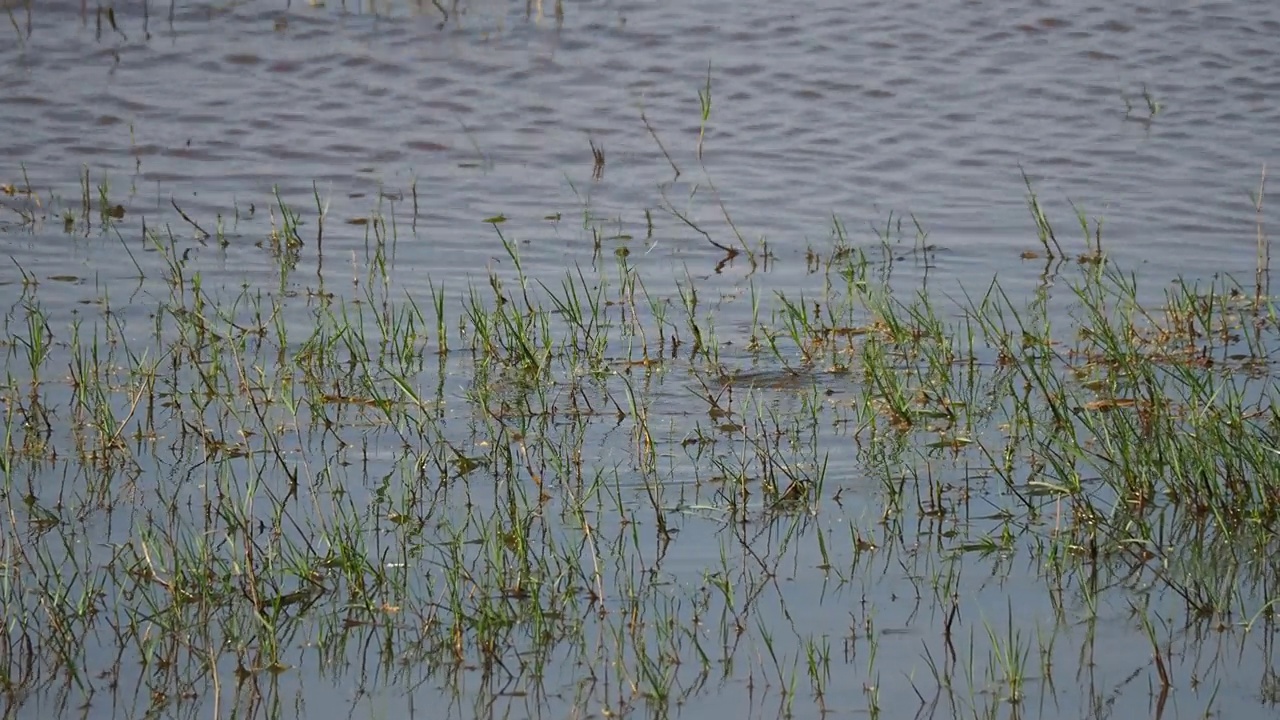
633, 488
583, 495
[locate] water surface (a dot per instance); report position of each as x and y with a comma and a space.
1155, 118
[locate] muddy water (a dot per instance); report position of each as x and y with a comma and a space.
1156, 117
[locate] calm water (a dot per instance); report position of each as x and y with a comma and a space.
864, 111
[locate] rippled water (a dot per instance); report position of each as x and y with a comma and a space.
817, 108
864, 111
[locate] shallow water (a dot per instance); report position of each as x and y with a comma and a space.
869, 113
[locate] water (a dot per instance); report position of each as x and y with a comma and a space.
870, 113
818, 109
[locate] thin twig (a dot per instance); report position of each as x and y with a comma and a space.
203, 233
658, 140
671, 209
1262, 276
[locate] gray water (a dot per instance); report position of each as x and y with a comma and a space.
817, 109
864, 111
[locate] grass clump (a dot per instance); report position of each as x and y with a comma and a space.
595, 492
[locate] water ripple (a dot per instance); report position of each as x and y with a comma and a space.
928, 108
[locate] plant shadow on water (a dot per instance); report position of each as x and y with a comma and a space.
576, 496
600, 494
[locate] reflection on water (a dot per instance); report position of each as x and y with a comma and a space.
318, 154
817, 109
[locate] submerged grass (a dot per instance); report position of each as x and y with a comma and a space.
586, 495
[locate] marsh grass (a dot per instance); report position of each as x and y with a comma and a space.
594, 492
